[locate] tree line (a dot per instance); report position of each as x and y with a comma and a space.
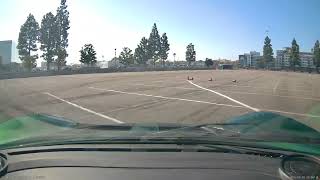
268, 60
52, 35
155, 48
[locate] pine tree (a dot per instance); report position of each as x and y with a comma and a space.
88, 55
164, 47
261, 63
27, 42
316, 55
62, 25
154, 44
141, 54
267, 52
126, 56
294, 55
190, 54
47, 38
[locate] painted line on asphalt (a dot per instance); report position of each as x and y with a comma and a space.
164, 97
276, 86
270, 110
262, 88
235, 92
231, 99
138, 84
260, 94
84, 109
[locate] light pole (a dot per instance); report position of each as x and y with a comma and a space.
115, 52
174, 58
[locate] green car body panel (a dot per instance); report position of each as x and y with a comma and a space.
249, 124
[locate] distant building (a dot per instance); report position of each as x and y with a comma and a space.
283, 58
102, 64
181, 63
306, 59
7, 52
75, 66
169, 63
255, 56
199, 63
223, 61
53, 66
14, 67
115, 63
235, 64
279, 62
249, 59
150, 62
225, 66
242, 61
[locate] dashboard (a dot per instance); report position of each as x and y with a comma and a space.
119, 162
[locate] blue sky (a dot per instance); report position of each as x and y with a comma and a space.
218, 28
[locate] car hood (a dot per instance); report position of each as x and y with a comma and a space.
265, 127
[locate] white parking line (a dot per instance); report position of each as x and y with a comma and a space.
262, 88
260, 94
138, 84
233, 92
276, 86
84, 109
164, 97
231, 99
255, 109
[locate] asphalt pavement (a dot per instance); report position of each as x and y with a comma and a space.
157, 97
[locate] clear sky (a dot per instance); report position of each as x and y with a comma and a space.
217, 28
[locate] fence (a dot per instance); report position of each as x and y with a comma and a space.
12, 75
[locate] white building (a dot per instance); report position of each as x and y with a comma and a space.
249, 59
242, 61
283, 58
255, 56
53, 66
199, 63
279, 62
115, 63
181, 63
306, 59
75, 66
102, 64
7, 52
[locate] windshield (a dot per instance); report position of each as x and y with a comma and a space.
229, 71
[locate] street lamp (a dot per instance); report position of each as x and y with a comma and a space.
115, 52
174, 58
